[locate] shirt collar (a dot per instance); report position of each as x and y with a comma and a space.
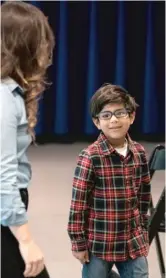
13, 85
106, 147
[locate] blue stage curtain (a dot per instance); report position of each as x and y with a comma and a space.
120, 42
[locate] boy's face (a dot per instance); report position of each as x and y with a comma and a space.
115, 127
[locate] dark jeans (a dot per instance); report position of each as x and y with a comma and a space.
12, 264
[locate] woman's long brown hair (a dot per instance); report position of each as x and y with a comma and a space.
27, 43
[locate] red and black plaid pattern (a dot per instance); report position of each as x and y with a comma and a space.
110, 200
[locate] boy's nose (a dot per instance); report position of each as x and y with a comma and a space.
113, 119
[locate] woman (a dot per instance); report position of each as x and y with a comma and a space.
27, 43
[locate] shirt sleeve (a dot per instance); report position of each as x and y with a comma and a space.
13, 211
82, 185
144, 193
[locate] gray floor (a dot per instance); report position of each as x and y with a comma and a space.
50, 194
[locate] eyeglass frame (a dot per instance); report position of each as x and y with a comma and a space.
114, 113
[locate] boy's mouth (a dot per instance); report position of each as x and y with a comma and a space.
115, 127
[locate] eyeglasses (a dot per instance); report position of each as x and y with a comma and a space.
107, 115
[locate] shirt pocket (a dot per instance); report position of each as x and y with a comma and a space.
136, 176
137, 171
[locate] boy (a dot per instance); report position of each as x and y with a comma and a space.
111, 193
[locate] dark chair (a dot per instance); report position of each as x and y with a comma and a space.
157, 214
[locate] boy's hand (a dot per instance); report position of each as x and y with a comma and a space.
82, 256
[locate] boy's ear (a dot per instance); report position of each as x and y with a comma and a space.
132, 118
96, 122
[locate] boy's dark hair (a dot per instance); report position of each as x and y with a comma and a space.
108, 94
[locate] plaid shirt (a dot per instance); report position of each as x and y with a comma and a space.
110, 200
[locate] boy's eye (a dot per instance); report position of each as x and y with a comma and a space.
105, 115
120, 113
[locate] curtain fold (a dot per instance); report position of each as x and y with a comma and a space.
61, 103
120, 68
92, 65
150, 108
